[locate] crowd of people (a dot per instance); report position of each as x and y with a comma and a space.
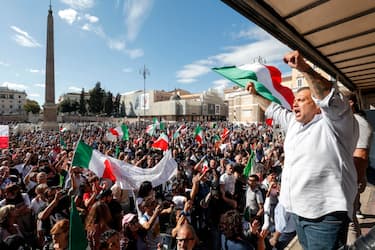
225, 193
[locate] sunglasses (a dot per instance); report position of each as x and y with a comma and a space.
184, 239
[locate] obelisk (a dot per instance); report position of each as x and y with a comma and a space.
50, 108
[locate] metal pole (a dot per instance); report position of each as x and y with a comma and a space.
144, 72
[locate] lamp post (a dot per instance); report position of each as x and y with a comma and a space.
144, 72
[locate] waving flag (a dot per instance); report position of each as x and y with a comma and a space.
249, 166
266, 80
225, 134
198, 134
77, 233
180, 129
127, 175
121, 132
161, 143
4, 136
86, 157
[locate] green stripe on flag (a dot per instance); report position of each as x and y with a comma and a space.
243, 77
77, 235
82, 155
249, 165
125, 131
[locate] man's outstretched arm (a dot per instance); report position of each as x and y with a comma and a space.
319, 86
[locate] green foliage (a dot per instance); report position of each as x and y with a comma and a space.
82, 103
116, 105
122, 109
108, 103
31, 106
96, 99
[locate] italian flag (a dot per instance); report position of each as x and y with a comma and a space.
62, 129
161, 143
150, 129
180, 129
198, 134
128, 176
4, 136
225, 133
86, 157
266, 80
120, 132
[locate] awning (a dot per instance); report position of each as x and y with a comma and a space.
336, 35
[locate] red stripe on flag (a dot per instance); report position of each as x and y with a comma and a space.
108, 171
114, 132
4, 142
276, 80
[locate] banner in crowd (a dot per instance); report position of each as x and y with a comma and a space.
4, 136
127, 175
266, 80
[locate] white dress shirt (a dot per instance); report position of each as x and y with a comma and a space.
319, 176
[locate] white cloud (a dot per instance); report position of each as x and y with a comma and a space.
136, 12
75, 89
221, 84
40, 85
267, 47
127, 70
116, 44
12, 85
4, 64
86, 27
134, 53
253, 33
68, 15
79, 4
91, 19
37, 71
33, 95
23, 38
192, 71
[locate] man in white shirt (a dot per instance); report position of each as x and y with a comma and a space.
319, 179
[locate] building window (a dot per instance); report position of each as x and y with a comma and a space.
299, 82
2, 96
10, 106
19, 96
11, 96
19, 107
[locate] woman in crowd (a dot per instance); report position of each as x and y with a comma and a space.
60, 236
134, 235
97, 223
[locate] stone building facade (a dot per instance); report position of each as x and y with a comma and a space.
12, 101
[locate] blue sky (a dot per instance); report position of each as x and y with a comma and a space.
110, 41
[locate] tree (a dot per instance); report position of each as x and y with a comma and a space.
82, 103
122, 109
31, 106
116, 105
65, 106
96, 99
108, 104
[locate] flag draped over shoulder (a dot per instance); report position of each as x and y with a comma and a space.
77, 235
121, 132
266, 80
4, 136
127, 175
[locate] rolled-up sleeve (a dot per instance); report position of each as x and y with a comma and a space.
279, 115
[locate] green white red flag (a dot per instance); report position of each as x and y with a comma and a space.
4, 136
128, 176
266, 80
161, 143
121, 132
198, 134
